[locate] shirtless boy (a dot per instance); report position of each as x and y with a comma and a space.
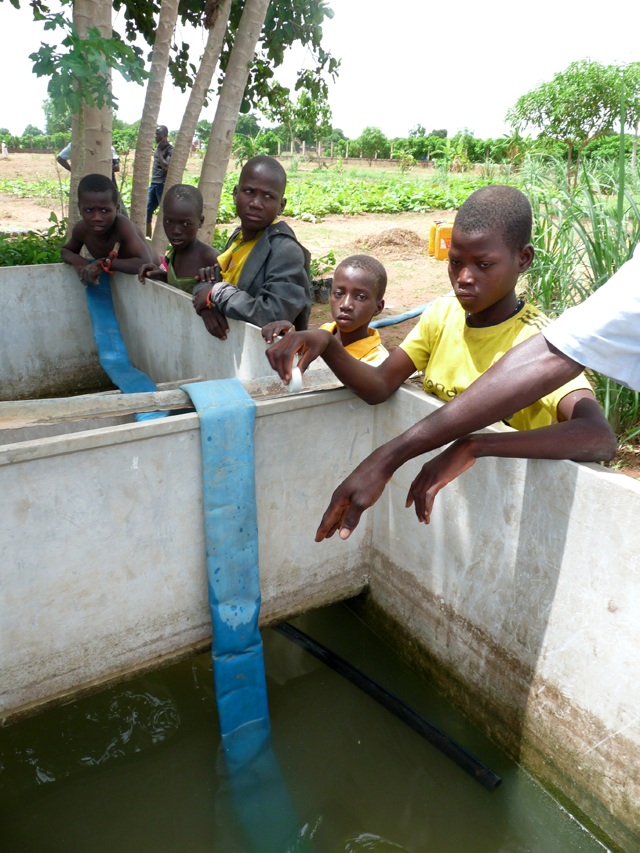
112, 240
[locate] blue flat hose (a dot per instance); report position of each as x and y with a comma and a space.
112, 351
227, 416
398, 318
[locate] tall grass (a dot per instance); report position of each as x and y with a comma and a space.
582, 236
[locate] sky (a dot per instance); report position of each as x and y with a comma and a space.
404, 63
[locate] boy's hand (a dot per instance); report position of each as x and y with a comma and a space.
435, 475
146, 271
90, 274
211, 273
358, 492
215, 323
273, 330
200, 300
309, 345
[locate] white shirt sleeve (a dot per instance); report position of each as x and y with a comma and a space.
603, 332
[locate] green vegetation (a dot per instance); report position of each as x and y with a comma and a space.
582, 234
36, 247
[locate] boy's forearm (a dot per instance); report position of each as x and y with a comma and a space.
361, 378
522, 376
581, 440
127, 265
73, 259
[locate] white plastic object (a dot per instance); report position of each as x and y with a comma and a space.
295, 383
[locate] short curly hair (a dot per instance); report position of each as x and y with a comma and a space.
188, 193
270, 164
500, 209
371, 266
97, 184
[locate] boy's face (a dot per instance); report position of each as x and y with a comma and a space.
354, 299
98, 211
258, 198
484, 271
180, 221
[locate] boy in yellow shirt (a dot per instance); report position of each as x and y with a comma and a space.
456, 340
357, 296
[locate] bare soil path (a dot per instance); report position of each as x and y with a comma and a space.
398, 241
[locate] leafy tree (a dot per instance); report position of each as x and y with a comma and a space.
32, 130
245, 147
248, 125
269, 141
631, 82
214, 165
57, 115
203, 129
160, 55
336, 141
286, 22
373, 143
576, 106
78, 69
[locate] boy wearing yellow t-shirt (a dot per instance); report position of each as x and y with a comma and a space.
264, 270
357, 296
458, 339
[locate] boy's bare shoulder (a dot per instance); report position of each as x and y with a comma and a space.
207, 255
128, 236
123, 228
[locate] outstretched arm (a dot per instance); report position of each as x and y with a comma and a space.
523, 375
373, 384
584, 435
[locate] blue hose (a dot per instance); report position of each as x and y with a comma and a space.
259, 795
399, 318
112, 350
227, 416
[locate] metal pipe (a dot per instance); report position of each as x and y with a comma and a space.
441, 740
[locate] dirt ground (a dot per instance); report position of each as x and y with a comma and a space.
398, 241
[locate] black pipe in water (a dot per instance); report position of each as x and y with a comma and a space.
441, 740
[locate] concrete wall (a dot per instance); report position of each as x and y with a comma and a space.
47, 347
102, 541
522, 600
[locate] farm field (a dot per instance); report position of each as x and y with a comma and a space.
398, 240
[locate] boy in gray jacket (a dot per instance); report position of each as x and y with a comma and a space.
263, 272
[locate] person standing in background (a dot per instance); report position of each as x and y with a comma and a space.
161, 160
64, 158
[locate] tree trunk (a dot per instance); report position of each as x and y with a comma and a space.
634, 149
217, 26
224, 124
91, 130
151, 110
77, 144
569, 158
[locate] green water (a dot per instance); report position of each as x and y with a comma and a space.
138, 768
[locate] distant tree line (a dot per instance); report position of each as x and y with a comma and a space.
251, 139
